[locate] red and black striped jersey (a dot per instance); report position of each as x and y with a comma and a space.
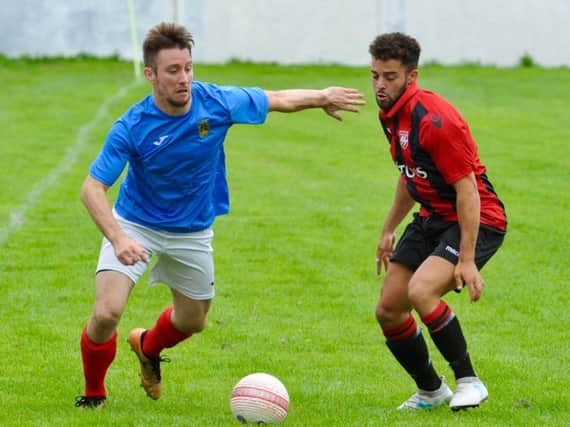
432, 148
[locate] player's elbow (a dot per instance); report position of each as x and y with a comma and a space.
276, 101
89, 188
85, 190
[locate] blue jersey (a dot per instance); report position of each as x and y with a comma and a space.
176, 179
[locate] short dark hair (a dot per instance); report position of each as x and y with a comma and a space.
397, 46
165, 35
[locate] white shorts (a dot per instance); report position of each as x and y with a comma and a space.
184, 260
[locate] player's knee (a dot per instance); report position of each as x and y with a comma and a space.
197, 326
386, 315
191, 325
418, 292
105, 318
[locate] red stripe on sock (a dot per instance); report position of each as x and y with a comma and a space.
439, 317
401, 332
162, 335
96, 360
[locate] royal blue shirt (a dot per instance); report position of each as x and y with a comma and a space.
176, 179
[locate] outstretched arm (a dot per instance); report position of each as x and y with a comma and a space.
331, 100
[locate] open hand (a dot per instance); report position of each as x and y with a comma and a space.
342, 99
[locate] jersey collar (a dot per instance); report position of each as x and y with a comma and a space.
410, 91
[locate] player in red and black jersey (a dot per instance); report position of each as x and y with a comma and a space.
461, 223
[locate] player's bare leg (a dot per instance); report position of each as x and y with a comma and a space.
112, 290
433, 279
405, 341
99, 338
189, 315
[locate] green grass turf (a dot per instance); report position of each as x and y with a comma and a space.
295, 269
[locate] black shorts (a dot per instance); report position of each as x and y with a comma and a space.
426, 236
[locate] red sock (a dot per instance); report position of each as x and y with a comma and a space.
162, 335
96, 360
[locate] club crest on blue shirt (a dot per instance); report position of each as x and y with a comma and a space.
403, 138
203, 128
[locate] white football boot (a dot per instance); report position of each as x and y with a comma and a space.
470, 393
423, 399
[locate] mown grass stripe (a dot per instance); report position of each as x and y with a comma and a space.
17, 216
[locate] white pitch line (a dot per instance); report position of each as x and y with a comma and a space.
17, 216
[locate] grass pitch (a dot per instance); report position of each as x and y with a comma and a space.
295, 271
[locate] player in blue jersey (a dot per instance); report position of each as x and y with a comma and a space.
175, 186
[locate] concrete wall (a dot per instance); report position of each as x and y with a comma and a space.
297, 31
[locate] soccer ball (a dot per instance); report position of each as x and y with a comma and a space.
259, 398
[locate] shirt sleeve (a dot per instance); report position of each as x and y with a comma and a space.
112, 159
450, 145
245, 105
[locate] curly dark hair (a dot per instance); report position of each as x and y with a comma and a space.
397, 46
165, 35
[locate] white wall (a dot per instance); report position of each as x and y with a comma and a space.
493, 32
297, 31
